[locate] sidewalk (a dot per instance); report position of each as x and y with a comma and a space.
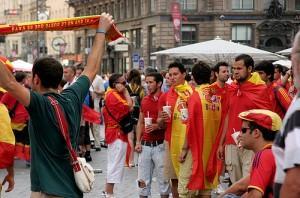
128, 189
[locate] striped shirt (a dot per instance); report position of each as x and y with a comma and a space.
286, 147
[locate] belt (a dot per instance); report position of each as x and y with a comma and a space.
152, 143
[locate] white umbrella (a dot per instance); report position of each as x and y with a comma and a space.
218, 50
286, 63
285, 52
20, 65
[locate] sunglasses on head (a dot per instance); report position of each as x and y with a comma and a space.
244, 130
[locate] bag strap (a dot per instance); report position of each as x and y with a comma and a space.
110, 114
63, 126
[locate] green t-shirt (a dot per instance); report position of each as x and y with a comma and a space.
51, 171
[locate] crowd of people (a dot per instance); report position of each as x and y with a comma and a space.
188, 127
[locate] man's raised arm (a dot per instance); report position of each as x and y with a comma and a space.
95, 56
9, 83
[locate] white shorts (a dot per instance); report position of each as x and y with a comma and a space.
116, 154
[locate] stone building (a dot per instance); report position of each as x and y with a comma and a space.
266, 24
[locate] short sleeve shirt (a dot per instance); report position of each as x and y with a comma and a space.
150, 105
51, 171
263, 172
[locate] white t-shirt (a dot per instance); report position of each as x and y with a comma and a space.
97, 85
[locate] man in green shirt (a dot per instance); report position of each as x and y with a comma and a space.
51, 171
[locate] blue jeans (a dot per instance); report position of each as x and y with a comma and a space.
152, 158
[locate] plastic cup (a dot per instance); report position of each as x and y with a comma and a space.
184, 114
148, 121
167, 109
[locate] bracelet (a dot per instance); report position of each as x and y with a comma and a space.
102, 31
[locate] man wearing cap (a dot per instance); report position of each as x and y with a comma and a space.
259, 128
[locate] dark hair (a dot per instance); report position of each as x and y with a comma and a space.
188, 77
157, 77
248, 60
267, 67
218, 65
177, 65
113, 79
279, 67
73, 68
134, 77
149, 70
201, 73
49, 70
267, 134
79, 67
20, 76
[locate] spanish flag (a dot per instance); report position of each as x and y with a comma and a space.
63, 24
90, 115
7, 139
203, 126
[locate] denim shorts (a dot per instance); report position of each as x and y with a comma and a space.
151, 158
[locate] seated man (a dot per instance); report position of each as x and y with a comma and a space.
258, 131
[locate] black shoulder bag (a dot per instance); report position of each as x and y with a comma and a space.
126, 123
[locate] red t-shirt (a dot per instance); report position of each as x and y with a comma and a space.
169, 98
263, 172
150, 104
118, 107
279, 98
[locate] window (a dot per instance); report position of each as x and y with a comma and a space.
136, 38
188, 34
138, 8
78, 45
187, 5
297, 4
242, 5
130, 8
15, 48
152, 6
89, 41
152, 39
241, 34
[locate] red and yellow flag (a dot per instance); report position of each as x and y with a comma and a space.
7, 139
63, 24
203, 126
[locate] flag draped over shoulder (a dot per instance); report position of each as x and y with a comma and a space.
61, 25
251, 94
178, 131
90, 115
203, 126
7, 139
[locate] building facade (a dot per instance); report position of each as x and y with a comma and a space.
60, 44
265, 24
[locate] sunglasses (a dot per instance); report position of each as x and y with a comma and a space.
123, 83
244, 130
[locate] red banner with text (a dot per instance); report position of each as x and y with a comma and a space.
61, 25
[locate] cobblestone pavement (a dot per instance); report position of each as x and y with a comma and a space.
128, 189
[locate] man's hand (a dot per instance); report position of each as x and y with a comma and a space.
150, 128
105, 21
182, 155
10, 179
165, 116
138, 147
220, 153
